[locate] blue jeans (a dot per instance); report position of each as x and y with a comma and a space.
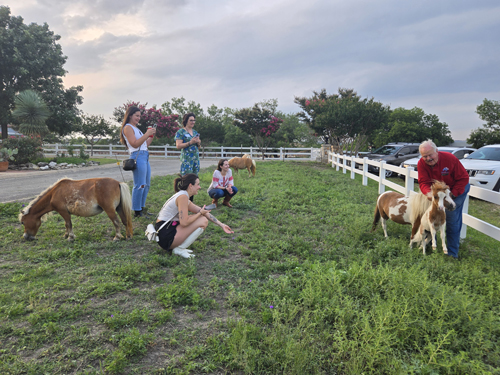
142, 180
454, 224
219, 193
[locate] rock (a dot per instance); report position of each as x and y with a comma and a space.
45, 168
52, 164
63, 164
35, 167
42, 164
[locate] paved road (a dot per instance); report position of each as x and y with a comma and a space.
24, 185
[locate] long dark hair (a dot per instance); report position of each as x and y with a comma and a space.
182, 182
130, 111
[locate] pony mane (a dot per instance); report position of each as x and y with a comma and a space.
439, 185
40, 196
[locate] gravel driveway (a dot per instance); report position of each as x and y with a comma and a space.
25, 185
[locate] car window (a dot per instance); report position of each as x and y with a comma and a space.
486, 153
404, 151
414, 150
459, 154
386, 150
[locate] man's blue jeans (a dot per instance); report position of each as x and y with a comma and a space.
454, 224
219, 193
142, 179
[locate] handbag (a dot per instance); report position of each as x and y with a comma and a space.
152, 234
130, 164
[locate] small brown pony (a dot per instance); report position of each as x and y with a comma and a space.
244, 162
81, 198
434, 218
400, 209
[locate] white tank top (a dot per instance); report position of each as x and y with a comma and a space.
170, 211
138, 134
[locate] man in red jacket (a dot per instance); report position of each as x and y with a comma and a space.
443, 166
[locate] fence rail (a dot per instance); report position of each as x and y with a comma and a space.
171, 152
360, 166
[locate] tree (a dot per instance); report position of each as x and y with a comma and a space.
488, 111
413, 125
93, 127
294, 133
344, 119
31, 58
259, 122
31, 111
166, 125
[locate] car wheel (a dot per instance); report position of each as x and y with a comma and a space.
388, 173
497, 186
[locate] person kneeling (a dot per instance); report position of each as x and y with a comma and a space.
222, 184
177, 230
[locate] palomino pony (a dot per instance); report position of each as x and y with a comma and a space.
244, 162
400, 209
434, 218
81, 198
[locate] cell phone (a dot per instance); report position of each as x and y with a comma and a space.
154, 126
211, 207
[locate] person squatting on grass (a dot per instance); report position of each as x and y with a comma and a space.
222, 184
443, 166
137, 144
183, 229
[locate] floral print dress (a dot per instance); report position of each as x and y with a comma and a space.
190, 156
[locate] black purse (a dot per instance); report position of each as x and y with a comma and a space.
130, 164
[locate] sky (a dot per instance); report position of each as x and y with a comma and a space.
441, 56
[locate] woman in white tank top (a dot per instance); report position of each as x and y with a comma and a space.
137, 144
177, 230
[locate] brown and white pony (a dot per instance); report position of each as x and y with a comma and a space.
434, 218
244, 162
400, 209
81, 198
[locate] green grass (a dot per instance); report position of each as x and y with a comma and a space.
301, 287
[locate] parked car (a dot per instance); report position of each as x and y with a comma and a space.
483, 167
392, 153
459, 152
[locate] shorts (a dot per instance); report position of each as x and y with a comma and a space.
166, 234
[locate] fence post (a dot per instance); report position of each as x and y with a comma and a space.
281, 154
166, 151
465, 210
222, 152
251, 152
110, 150
57, 148
311, 153
409, 181
365, 171
353, 167
381, 177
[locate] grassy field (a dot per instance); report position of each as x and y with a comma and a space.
301, 287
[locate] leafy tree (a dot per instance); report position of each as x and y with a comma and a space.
166, 125
94, 127
32, 112
413, 125
344, 119
260, 123
31, 58
488, 111
294, 133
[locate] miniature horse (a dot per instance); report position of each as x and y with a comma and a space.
244, 162
81, 198
400, 209
434, 218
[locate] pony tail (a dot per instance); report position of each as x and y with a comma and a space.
177, 182
182, 182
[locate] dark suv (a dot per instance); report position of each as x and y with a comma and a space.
393, 153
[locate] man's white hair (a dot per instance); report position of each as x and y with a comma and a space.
427, 143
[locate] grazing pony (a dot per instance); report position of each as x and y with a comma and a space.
244, 162
81, 198
434, 218
400, 209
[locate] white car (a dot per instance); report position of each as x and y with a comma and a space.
459, 152
483, 167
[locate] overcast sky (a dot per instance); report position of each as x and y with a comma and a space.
441, 55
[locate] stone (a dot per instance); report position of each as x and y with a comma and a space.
52, 164
45, 168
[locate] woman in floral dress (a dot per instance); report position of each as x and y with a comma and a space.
188, 141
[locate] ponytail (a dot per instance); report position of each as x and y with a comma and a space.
182, 182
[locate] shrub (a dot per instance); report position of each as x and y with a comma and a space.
29, 148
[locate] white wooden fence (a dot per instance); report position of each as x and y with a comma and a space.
171, 152
340, 162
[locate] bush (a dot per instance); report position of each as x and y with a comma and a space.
29, 148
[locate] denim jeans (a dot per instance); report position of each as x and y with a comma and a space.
219, 193
142, 180
454, 224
